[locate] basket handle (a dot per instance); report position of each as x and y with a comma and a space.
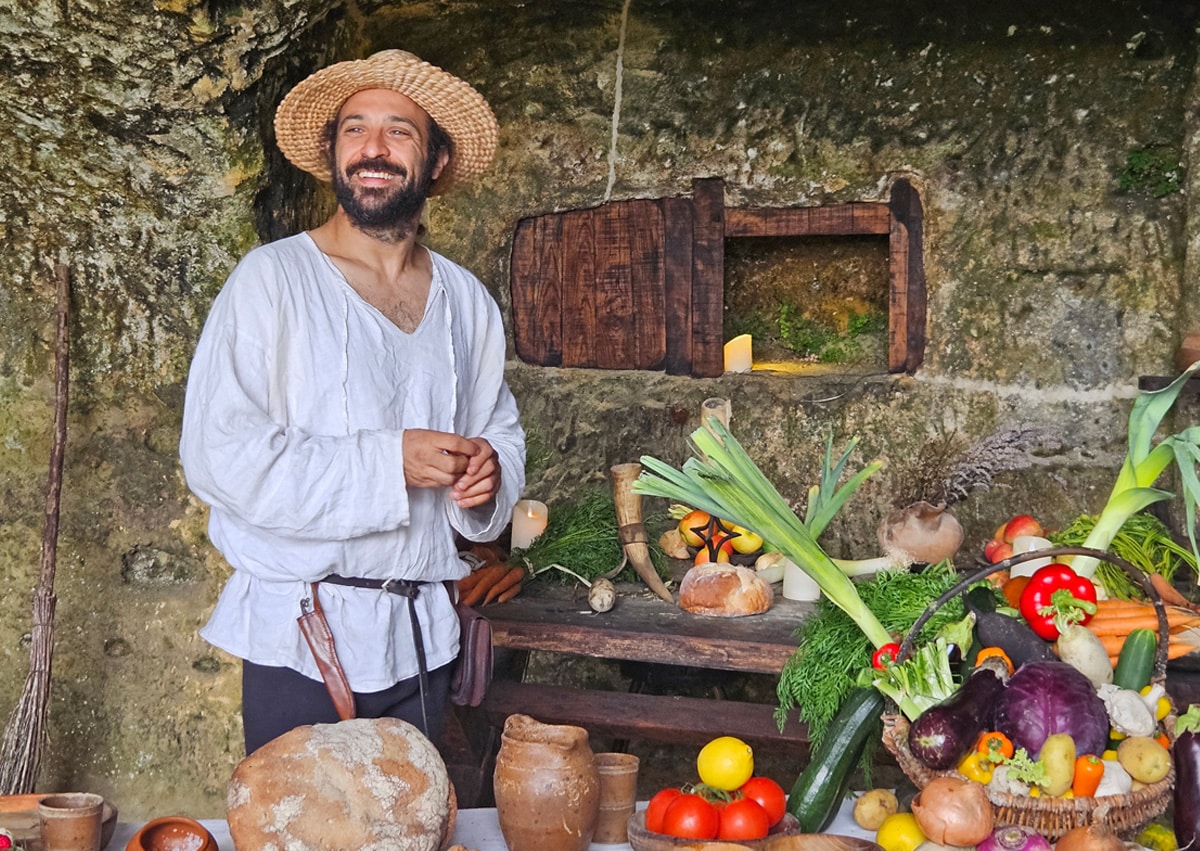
1137, 576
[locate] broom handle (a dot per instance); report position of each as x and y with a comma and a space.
62, 274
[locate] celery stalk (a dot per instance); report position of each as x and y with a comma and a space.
1144, 463
723, 480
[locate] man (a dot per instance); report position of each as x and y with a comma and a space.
347, 411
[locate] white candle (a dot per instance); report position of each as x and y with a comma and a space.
1027, 544
529, 521
798, 585
739, 355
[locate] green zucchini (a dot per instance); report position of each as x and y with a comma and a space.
1135, 664
818, 791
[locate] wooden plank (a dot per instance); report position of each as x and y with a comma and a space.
668, 718
708, 277
579, 284
906, 208
643, 628
677, 285
646, 264
536, 290
612, 346
898, 298
853, 219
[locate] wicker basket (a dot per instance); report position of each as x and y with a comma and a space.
1052, 817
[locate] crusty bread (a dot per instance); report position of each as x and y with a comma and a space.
361, 784
724, 591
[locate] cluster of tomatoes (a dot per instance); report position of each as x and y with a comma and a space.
728, 803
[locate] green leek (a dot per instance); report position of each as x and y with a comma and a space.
1144, 463
722, 480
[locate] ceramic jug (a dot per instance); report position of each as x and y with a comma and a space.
547, 786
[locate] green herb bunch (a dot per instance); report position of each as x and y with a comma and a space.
833, 649
1143, 540
582, 536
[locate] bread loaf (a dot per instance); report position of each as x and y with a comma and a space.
724, 591
362, 784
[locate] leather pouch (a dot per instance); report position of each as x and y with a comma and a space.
320, 640
473, 671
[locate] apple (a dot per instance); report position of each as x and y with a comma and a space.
1022, 524
717, 550
996, 550
693, 527
744, 541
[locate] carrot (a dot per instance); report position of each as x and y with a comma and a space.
1114, 643
1168, 592
508, 580
488, 576
470, 580
1113, 605
1125, 624
509, 594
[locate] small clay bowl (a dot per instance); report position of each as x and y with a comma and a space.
785, 836
172, 833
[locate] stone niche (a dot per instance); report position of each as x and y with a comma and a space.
641, 284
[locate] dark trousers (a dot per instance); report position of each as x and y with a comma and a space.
276, 700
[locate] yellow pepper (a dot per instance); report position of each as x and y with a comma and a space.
976, 766
1162, 707
1159, 837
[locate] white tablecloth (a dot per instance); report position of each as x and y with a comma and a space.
476, 829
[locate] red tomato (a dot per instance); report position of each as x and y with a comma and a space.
743, 819
769, 794
690, 816
657, 808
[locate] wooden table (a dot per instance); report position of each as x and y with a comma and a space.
640, 628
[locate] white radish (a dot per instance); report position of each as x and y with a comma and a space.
1080, 648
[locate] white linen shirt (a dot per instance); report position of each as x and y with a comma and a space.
297, 401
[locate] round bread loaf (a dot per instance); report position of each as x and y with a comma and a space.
724, 590
363, 784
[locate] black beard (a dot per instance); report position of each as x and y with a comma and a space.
385, 213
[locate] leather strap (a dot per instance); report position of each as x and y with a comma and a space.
320, 641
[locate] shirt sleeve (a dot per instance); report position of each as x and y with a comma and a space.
488, 409
241, 459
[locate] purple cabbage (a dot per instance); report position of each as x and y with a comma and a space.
1044, 698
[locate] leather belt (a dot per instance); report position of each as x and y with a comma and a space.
405, 588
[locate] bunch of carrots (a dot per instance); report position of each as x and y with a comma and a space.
1115, 619
495, 582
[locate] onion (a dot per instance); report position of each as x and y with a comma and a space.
1092, 837
1012, 837
953, 811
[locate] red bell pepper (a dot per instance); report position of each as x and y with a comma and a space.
1056, 596
885, 655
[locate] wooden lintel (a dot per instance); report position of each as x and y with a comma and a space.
854, 219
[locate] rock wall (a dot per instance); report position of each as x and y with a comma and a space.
1060, 267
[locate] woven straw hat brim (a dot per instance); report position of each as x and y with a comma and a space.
453, 103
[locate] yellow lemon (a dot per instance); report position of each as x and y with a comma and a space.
899, 832
725, 763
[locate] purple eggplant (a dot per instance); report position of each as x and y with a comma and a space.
945, 732
1186, 753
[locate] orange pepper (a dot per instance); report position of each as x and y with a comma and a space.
1012, 589
1089, 768
996, 745
989, 652
1164, 740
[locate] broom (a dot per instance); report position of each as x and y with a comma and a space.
24, 736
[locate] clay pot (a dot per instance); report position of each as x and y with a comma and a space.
547, 786
1188, 352
172, 833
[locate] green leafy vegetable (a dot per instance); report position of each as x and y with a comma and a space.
832, 649
1026, 769
723, 480
918, 682
1143, 540
582, 536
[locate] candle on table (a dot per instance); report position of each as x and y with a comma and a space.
529, 521
739, 355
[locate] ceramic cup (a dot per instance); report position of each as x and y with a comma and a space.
618, 796
71, 822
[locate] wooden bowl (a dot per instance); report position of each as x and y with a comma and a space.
785, 836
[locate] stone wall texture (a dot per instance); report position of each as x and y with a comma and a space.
140, 154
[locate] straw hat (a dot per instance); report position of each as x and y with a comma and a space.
452, 103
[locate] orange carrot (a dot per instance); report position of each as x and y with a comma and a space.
509, 594
1125, 624
506, 581
1168, 592
489, 576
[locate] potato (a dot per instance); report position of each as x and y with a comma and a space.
1058, 755
873, 807
1145, 759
